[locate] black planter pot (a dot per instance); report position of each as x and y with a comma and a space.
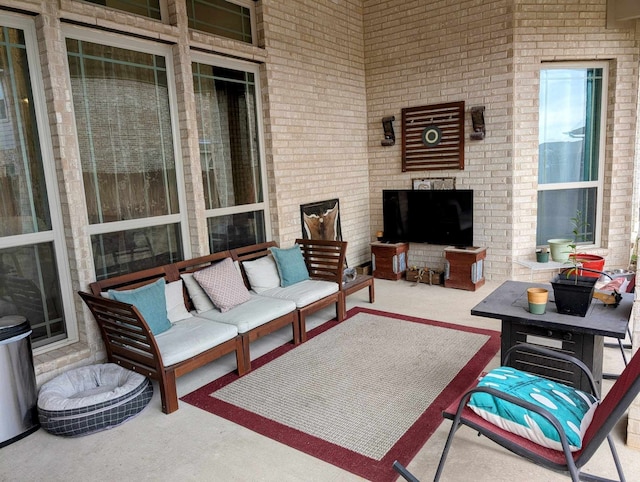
573, 297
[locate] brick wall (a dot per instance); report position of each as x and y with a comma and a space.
489, 53
429, 52
316, 124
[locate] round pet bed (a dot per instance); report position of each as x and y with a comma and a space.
92, 398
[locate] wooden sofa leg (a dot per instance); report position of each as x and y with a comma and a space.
341, 308
168, 392
302, 326
297, 337
245, 353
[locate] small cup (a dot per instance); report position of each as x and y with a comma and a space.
537, 308
542, 256
537, 298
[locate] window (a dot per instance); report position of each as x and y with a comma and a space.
231, 19
146, 8
122, 105
229, 129
571, 150
31, 234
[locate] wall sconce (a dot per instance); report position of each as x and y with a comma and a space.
477, 119
389, 135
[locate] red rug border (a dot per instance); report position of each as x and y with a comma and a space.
405, 448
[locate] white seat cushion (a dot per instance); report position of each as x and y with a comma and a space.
191, 337
250, 314
304, 292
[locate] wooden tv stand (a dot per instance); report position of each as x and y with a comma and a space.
464, 267
389, 260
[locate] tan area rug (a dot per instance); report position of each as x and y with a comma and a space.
358, 394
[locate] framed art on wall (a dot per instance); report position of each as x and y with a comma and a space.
321, 220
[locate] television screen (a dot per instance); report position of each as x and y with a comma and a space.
442, 217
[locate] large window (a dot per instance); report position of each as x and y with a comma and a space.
227, 104
232, 19
122, 104
31, 239
571, 150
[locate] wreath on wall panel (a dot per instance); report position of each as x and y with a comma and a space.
433, 137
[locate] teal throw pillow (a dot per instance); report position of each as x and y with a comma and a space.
151, 303
573, 408
291, 266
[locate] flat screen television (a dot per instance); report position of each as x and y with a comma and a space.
442, 217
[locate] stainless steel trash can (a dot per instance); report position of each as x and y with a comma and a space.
18, 392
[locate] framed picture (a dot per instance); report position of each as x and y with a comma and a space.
435, 183
321, 220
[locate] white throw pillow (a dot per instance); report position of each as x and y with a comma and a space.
199, 298
176, 310
262, 273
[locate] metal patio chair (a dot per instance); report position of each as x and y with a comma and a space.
609, 411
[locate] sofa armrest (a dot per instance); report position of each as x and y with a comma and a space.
126, 335
324, 258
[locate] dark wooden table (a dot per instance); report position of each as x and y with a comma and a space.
578, 336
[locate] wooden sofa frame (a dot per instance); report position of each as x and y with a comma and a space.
128, 339
129, 342
324, 260
195, 264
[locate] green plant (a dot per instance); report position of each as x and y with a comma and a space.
579, 227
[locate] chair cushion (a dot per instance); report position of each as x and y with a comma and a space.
573, 408
303, 293
223, 284
191, 337
251, 314
199, 298
262, 274
176, 310
151, 303
291, 266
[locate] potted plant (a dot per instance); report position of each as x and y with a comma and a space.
573, 292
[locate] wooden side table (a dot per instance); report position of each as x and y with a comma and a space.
464, 267
389, 260
362, 281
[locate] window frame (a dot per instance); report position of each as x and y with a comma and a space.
245, 66
141, 45
599, 183
56, 234
251, 6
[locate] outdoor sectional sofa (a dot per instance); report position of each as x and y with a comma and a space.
199, 328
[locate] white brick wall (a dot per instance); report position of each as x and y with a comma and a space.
421, 53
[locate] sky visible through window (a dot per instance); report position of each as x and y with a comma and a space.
562, 101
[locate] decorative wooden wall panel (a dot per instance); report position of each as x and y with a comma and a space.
433, 137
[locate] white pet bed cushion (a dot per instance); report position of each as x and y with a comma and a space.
92, 398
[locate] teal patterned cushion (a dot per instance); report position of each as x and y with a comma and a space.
573, 408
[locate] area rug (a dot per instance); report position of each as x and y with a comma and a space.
358, 394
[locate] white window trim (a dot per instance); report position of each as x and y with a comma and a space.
141, 45
218, 61
56, 235
599, 184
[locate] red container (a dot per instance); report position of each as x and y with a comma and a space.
589, 261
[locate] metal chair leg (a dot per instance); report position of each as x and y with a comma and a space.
406, 475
